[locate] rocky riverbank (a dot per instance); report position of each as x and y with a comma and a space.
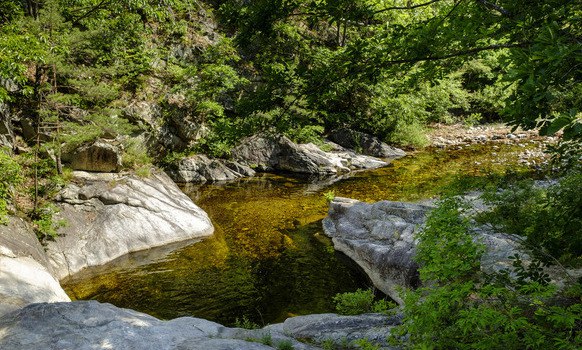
110, 215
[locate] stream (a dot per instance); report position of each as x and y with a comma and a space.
269, 259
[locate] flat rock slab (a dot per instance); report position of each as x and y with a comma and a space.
109, 215
93, 325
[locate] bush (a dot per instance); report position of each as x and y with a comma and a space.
459, 307
549, 218
45, 225
10, 176
360, 302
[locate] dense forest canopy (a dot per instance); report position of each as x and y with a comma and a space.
303, 67
168, 78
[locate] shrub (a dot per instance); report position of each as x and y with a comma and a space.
45, 225
10, 176
459, 307
285, 345
549, 218
245, 323
360, 302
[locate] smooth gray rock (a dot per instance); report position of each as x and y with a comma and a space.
278, 153
92, 325
364, 143
25, 272
338, 329
380, 238
200, 169
109, 215
99, 156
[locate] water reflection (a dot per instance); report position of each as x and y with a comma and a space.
268, 259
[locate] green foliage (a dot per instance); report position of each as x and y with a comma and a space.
245, 323
285, 345
135, 155
365, 344
460, 307
10, 177
359, 302
44, 224
329, 196
266, 339
549, 218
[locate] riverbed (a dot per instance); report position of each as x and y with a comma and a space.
268, 259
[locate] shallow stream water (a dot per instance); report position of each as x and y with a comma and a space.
268, 259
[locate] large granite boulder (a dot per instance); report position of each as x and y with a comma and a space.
278, 153
200, 169
109, 215
25, 273
92, 325
380, 238
100, 156
364, 143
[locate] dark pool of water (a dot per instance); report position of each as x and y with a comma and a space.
269, 259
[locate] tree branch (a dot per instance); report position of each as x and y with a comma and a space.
457, 54
495, 7
406, 7
88, 13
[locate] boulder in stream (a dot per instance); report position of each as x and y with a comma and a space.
200, 169
278, 153
379, 237
108, 215
364, 143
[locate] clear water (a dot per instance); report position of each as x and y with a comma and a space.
268, 259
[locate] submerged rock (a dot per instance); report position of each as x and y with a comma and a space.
109, 215
25, 272
92, 325
278, 153
200, 168
364, 143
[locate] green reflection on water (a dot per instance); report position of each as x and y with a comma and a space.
269, 259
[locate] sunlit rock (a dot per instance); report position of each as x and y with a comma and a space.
109, 215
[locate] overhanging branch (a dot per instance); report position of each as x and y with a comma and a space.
405, 7
457, 54
495, 7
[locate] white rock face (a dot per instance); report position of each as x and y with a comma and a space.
91, 325
25, 276
24, 281
109, 215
